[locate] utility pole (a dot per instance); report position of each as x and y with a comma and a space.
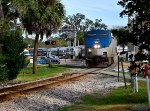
118, 66
75, 37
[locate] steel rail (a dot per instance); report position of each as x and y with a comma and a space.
22, 89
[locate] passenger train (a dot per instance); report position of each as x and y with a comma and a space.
100, 48
61, 52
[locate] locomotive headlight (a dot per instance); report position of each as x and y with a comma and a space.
89, 50
96, 46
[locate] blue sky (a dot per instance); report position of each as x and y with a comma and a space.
107, 10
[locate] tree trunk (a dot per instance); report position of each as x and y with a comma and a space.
35, 54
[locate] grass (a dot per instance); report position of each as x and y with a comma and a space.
43, 71
120, 99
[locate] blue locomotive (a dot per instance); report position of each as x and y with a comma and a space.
100, 48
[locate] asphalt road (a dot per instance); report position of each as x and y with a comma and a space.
72, 62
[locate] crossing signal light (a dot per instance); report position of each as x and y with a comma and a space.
50, 42
47, 42
53, 42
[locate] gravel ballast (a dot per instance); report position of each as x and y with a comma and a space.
66, 94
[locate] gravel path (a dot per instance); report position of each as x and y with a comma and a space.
52, 99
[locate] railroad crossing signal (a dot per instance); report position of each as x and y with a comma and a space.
52, 42
47, 42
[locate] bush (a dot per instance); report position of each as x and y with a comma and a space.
14, 65
3, 74
3, 70
13, 51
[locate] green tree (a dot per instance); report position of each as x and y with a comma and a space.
12, 60
3, 69
139, 12
75, 21
29, 41
1, 11
81, 37
139, 15
40, 17
13, 52
88, 24
99, 25
122, 35
79, 23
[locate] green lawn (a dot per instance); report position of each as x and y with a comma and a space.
120, 99
43, 71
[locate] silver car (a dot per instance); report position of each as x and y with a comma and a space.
53, 59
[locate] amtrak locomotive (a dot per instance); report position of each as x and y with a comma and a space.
100, 48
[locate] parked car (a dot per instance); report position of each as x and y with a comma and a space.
53, 59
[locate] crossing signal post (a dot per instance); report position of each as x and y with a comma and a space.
53, 42
121, 49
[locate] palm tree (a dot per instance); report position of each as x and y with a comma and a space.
40, 17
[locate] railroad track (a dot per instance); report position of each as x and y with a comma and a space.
26, 88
